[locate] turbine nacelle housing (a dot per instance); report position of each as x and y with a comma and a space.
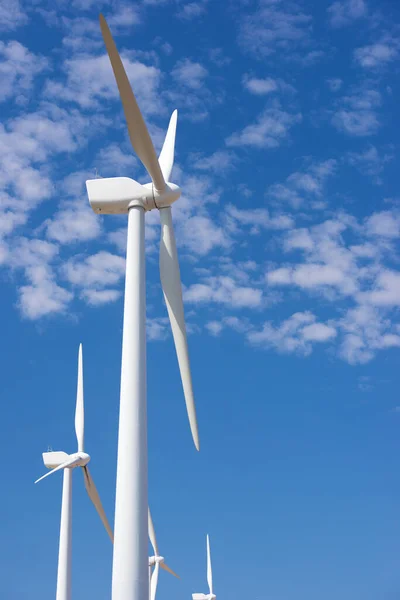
153, 560
55, 459
115, 195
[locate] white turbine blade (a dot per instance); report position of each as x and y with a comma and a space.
166, 158
138, 133
152, 533
154, 581
95, 498
171, 285
209, 570
199, 597
68, 463
79, 411
166, 568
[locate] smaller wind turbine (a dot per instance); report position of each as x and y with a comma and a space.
58, 461
210, 595
155, 561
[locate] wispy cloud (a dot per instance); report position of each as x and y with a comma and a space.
378, 55
269, 131
18, 68
190, 74
358, 113
12, 15
275, 27
296, 334
304, 186
346, 12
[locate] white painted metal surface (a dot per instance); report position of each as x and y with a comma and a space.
130, 577
130, 559
58, 461
210, 595
156, 561
65, 543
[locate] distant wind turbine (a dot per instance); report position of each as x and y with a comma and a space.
210, 595
58, 461
155, 561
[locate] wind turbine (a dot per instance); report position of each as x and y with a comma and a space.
124, 195
210, 595
155, 561
58, 461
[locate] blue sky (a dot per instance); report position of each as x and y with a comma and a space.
287, 231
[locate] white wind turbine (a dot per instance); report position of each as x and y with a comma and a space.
61, 460
210, 595
126, 196
155, 561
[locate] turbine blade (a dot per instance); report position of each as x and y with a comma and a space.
138, 132
199, 597
68, 463
171, 285
166, 158
154, 581
166, 568
95, 498
79, 411
152, 533
209, 570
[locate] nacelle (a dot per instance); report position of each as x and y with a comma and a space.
115, 195
54, 459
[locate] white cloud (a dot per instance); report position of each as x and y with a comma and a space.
157, 328
42, 296
190, 74
219, 162
98, 270
378, 54
270, 130
387, 290
268, 85
370, 162
214, 327
274, 27
192, 10
358, 115
18, 68
345, 12
223, 290
308, 276
75, 222
200, 235
296, 334
90, 79
126, 16
260, 87
365, 332
256, 219
95, 297
112, 161
305, 185
12, 15
385, 224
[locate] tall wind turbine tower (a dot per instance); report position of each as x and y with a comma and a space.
122, 195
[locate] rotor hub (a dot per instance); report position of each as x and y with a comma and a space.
83, 459
161, 199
